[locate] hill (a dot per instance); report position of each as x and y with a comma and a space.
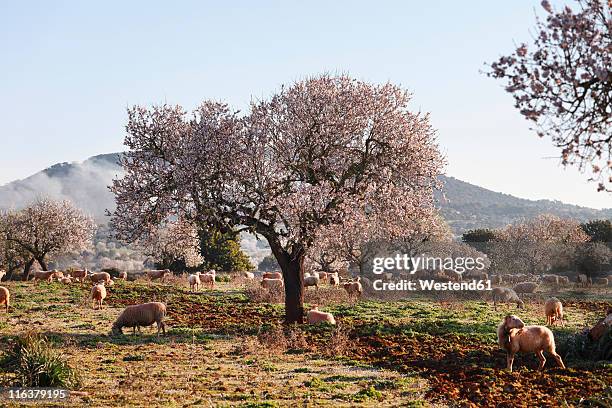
464, 205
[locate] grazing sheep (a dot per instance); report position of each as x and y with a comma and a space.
506, 295
98, 294
564, 280
582, 279
66, 280
58, 275
136, 316
42, 275
353, 288
194, 281
272, 275
554, 311
323, 275
5, 297
80, 275
272, 283
525, 287
314, 316
2, 273
311, 281
249, 275
601, 281
99, 277
514, 337
496, 279
160, 274
334, 279
207, 279
552, 279
122, 275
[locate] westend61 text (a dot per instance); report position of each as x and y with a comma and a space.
429, 284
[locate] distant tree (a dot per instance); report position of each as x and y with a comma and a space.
175, 246
47, 228
536, 245
591, 257
478, 235
599, 230
222, 252
563, 83
300, 162
268, 264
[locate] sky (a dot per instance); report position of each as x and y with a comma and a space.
69, 70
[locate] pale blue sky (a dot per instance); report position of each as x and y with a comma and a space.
69, 69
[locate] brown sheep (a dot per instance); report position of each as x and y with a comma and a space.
5, 297
80, 275
272, 283
506, 295
136, 316
525, 287
514, 337
99, 277
272, 275
160, 274
353, 288
554, 311
43, 275
315, 316
98, 294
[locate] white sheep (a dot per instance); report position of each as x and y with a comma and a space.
66, 280
312, 281
98, 294
160, 274
315, 316
334, 279
99, 277
2, 273
80, 275
506, 295
249, 275
136, 316
514, 337
272, 275
194, 281
122, 275
553, 309
208, 279
272, 283
5, 297
525, 287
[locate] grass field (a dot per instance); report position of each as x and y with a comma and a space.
224, 350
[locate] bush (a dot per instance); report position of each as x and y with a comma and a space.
36, 364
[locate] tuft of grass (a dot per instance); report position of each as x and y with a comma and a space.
369, 393
35, 363
134, 357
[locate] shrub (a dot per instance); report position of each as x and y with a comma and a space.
36, 364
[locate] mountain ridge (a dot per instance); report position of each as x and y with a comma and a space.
464, 205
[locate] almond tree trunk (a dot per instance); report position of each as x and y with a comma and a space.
292, 267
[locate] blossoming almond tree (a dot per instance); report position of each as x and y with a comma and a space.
47, 228
176, 241
563, 83
299, 162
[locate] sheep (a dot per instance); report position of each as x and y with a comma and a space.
353, 288
601, 281
582, 279
249, 275
194, 281
5, 297
122, 275
2, 273
307, 274
525, 287
66, 280
141, 315
42, 275
272, 275
312, 281
514, 337
207, 279
272, 283
80, 275
496, 279
552, 279
160, 274
563, 280
99, 277
554, 311
334, 279
314, 316
58, 275
323, 275
98, 294
506, 295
